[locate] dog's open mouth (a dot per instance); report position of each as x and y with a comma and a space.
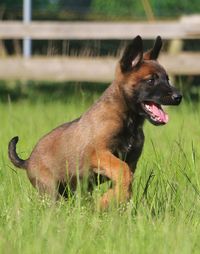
155, 112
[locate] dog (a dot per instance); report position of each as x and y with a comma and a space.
106, 142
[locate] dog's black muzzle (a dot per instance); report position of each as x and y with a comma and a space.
173, 98
176, 98
168, 95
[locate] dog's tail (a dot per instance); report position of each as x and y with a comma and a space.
13, 154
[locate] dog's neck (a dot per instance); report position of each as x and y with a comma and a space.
126, 107
129, 137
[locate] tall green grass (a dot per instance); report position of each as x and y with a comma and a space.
164, 212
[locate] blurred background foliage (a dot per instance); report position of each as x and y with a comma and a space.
100, 9
93, 10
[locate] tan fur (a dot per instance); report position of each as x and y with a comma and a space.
84, 147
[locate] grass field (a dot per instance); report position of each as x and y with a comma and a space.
163, 215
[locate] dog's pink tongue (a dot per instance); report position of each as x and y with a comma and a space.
157, 111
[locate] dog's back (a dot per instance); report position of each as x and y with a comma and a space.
108, 139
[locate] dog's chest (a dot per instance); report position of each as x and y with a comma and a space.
129, 140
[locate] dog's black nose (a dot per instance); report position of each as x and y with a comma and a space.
176, 97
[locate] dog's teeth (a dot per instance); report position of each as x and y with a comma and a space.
148, 107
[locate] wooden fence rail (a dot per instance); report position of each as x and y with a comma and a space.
185, 28
86, 69
95, 69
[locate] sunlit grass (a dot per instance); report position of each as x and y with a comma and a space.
162, 216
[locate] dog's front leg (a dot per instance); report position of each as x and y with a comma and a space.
105, 163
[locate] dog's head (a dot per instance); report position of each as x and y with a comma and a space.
145, 83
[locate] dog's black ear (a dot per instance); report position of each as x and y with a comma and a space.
133, 55
153, 53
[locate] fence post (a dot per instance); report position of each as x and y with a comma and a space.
26, 19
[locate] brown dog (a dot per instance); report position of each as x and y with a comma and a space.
107, 140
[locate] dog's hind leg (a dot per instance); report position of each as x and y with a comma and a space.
49, 189
118, 171
46, 189
45, 184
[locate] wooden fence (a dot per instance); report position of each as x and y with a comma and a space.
95, 69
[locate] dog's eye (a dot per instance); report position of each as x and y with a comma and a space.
150, 81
